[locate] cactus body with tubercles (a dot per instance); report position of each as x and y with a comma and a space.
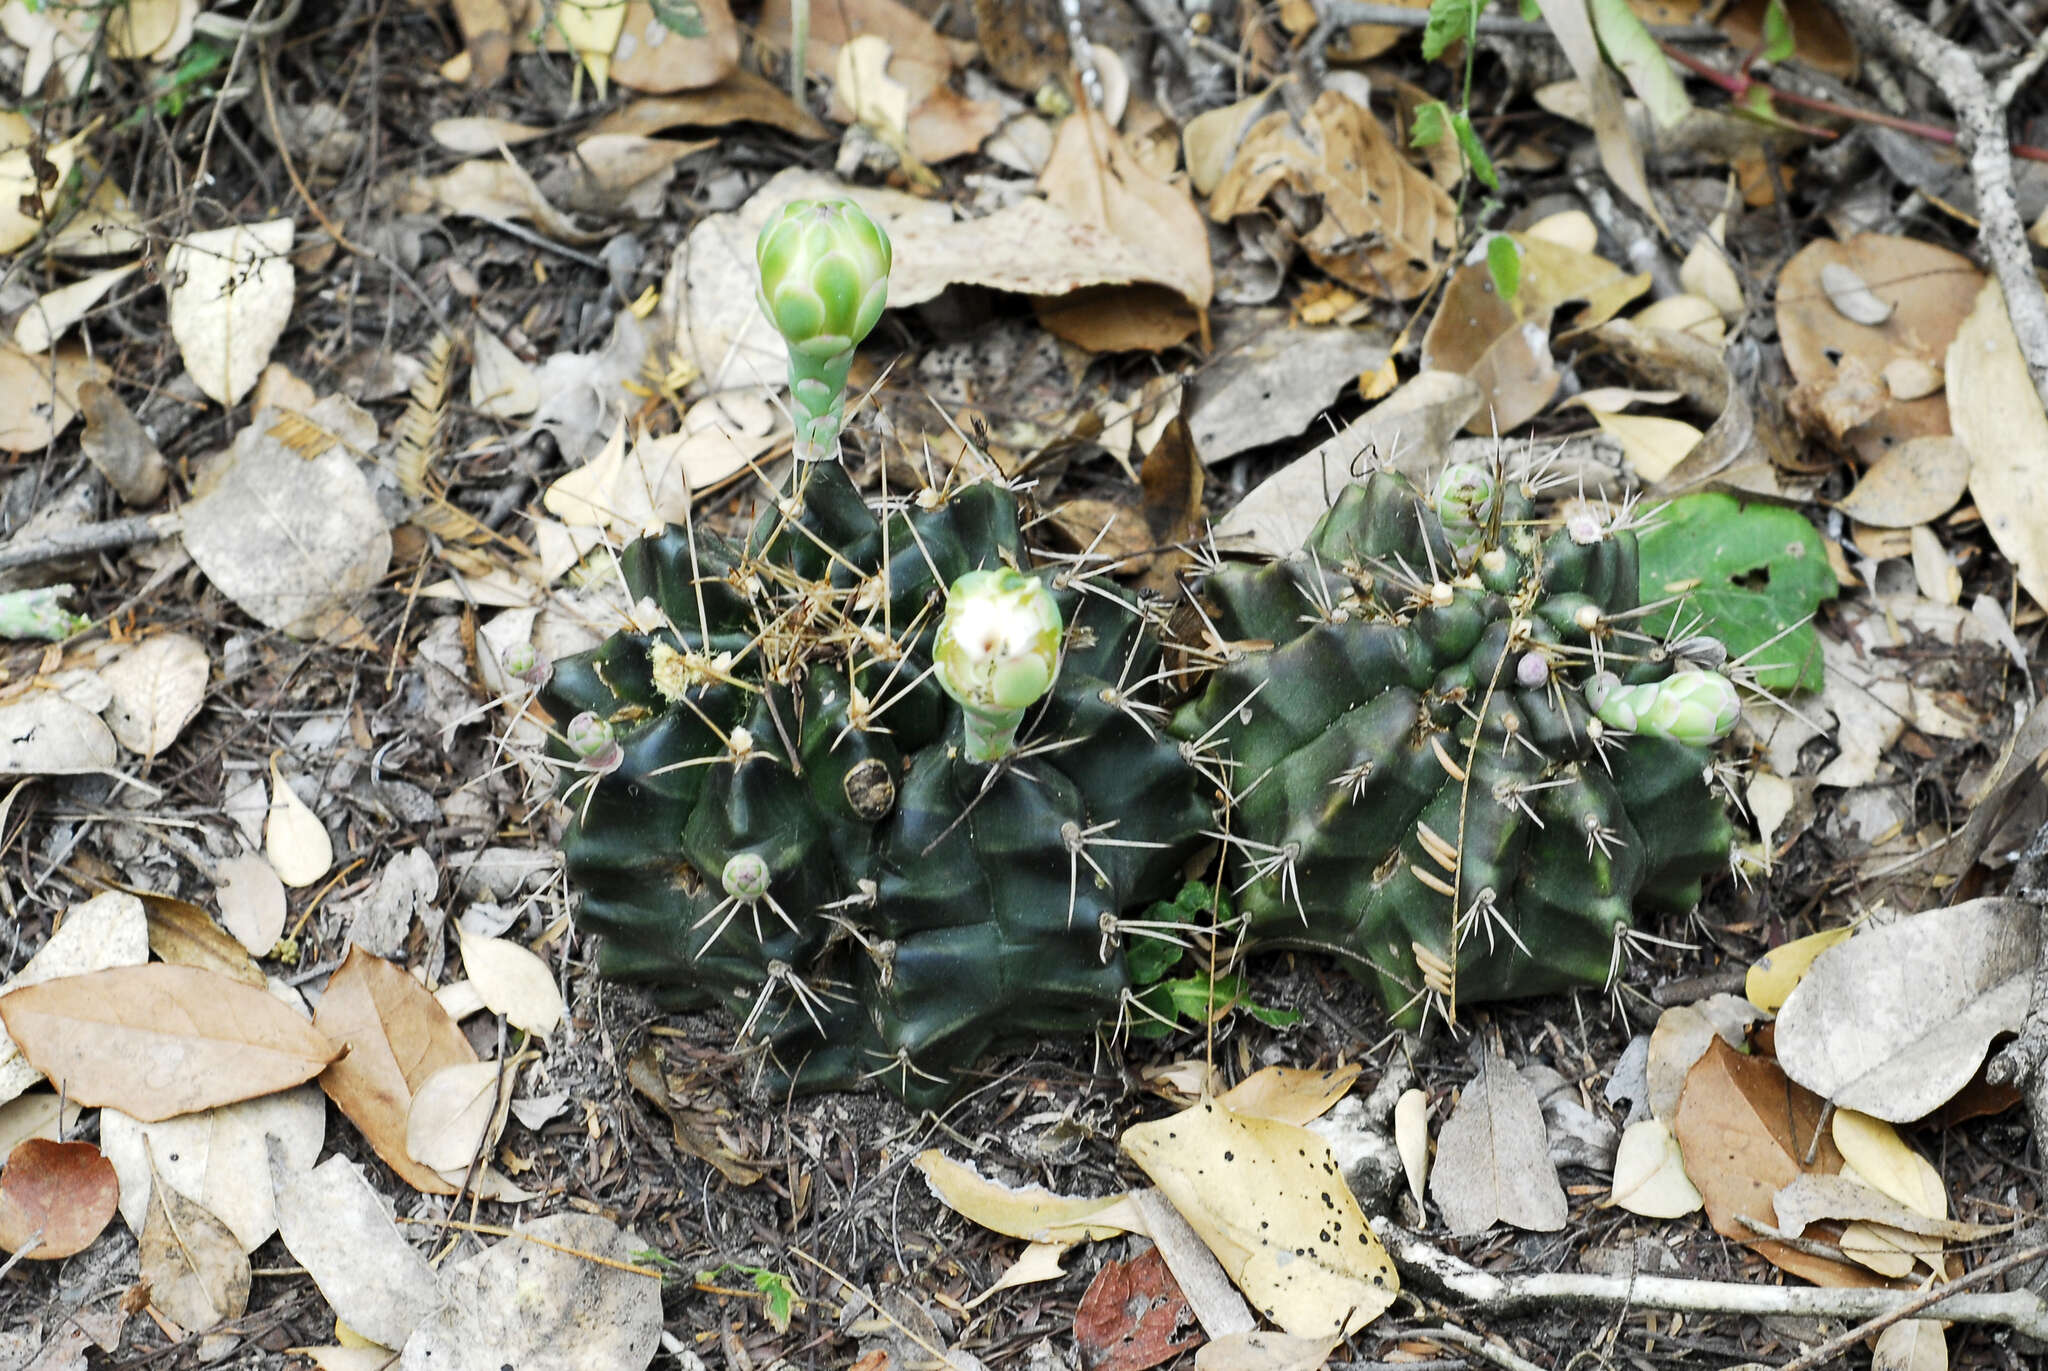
1423, 782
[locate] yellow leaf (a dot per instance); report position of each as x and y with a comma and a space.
1994, 409
1887, 1165
1268, 1199
1411, 1140
293, 837
1038, 1262
1289, 1093
593, 31
1773, 977
1685, 314
1652, 445
1649, 1174
1032, 1213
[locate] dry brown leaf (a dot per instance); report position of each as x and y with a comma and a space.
252, 902
26, 198
159, 1040
1620, 156
218, 1158
742, 96
1998, 415
293, 837
1031, 1212
340, 1230
397, 1035
1931, 291
183, 934
1493, 1157
1915, 481
500, 384
52, 315
158, 686
119, 446
38, 1114
1911, 1345
1094, 179
1290, 1094
493, 188
458, 1113
1649, 1174
1385, 225
1744, 1130
55, 1198
478, 134
107, 930
230, 293
198, 1273
652, 57
513, 982
39, 394
1268, 1199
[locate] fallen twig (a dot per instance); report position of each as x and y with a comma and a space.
2020, 1310
103, 537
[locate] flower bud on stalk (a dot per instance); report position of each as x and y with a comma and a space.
824, 281
997, 651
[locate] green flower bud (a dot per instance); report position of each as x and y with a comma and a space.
746, 877
593, 742
824, 281
1691, 707
998, 648
1463, 496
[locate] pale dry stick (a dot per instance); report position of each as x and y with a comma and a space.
1981, 133
101, 537
2020, 1310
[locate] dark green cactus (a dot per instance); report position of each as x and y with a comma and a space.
793, 825
1422, 787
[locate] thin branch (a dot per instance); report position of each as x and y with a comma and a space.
103, 537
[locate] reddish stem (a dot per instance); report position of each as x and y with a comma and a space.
1739, 84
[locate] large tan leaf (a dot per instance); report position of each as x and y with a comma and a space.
107, 930
1493, 1157
1928, 290
46, 734
158, 1040
458, 1113
397, 1035
230, 298
1897, 1020
1268, 1199
1997, 413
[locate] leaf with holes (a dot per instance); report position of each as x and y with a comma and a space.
1750, 575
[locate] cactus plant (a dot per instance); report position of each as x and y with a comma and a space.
1456, 764
869, 777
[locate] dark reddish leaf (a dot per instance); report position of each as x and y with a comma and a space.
1134, 1316
66, 1191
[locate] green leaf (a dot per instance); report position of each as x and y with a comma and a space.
1430, 122
685, 17
1530, 10
1631, 48
780, 1296
1778, 43
1749, 574
1450, 21
1475, 151
1504, 265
